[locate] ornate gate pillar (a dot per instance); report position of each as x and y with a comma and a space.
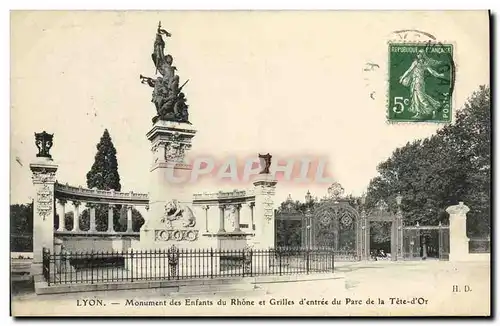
364, 235
44, 178
399, 229
265, 188
459, 243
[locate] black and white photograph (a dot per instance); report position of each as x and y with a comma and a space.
250, 163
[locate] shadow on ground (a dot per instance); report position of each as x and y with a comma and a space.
354, 267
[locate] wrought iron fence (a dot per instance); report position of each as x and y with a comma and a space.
177, 264
346, 255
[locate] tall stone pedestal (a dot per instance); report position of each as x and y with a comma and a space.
459, 242
265, 189
170, 219
44, 178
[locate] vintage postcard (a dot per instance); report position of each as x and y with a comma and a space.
250, 163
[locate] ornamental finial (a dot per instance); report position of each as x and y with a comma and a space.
44, 142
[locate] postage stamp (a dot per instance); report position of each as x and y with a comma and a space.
215, 189
421, 79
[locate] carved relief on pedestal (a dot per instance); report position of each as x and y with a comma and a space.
176, 235
179, 221
157, 149
177, 212
176, 147
43, 176
174, 152
268, 207
45, 201
172, 149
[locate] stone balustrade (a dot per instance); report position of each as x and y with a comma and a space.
235, 194
76, 199
65, 191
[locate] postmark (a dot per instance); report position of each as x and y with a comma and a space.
421, 78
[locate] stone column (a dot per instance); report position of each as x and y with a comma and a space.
237, 208
400, 248
111, 227
251, 205
459, 242
76, 216
57, 250
366, 236
205, 208
129, 218
264, 186
44, 179
62, 215
221, 219
394, 240
92, 218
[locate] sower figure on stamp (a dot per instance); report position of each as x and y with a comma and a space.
414, 78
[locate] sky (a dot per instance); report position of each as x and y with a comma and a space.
287, 83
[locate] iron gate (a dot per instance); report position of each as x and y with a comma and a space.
426, 242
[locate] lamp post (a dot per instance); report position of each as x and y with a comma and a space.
308, 228
308, 197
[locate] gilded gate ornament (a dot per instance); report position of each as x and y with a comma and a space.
335, 191
382, 206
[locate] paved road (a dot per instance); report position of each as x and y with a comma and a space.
416, 288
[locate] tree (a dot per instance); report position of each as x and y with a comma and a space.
119, 219
289, 232
451, 166
21, 227
470, 139
103, 175
104, 172
21, 218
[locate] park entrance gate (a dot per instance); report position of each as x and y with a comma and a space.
335, 223
421, 242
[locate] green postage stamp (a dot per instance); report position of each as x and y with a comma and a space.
421, 80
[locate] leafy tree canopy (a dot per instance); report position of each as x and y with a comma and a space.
451, 166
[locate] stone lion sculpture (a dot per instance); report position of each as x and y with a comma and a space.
177, 211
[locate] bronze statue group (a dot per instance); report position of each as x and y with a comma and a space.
168, 97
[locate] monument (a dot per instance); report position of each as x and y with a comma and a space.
170, 219
44, 177
177, 217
